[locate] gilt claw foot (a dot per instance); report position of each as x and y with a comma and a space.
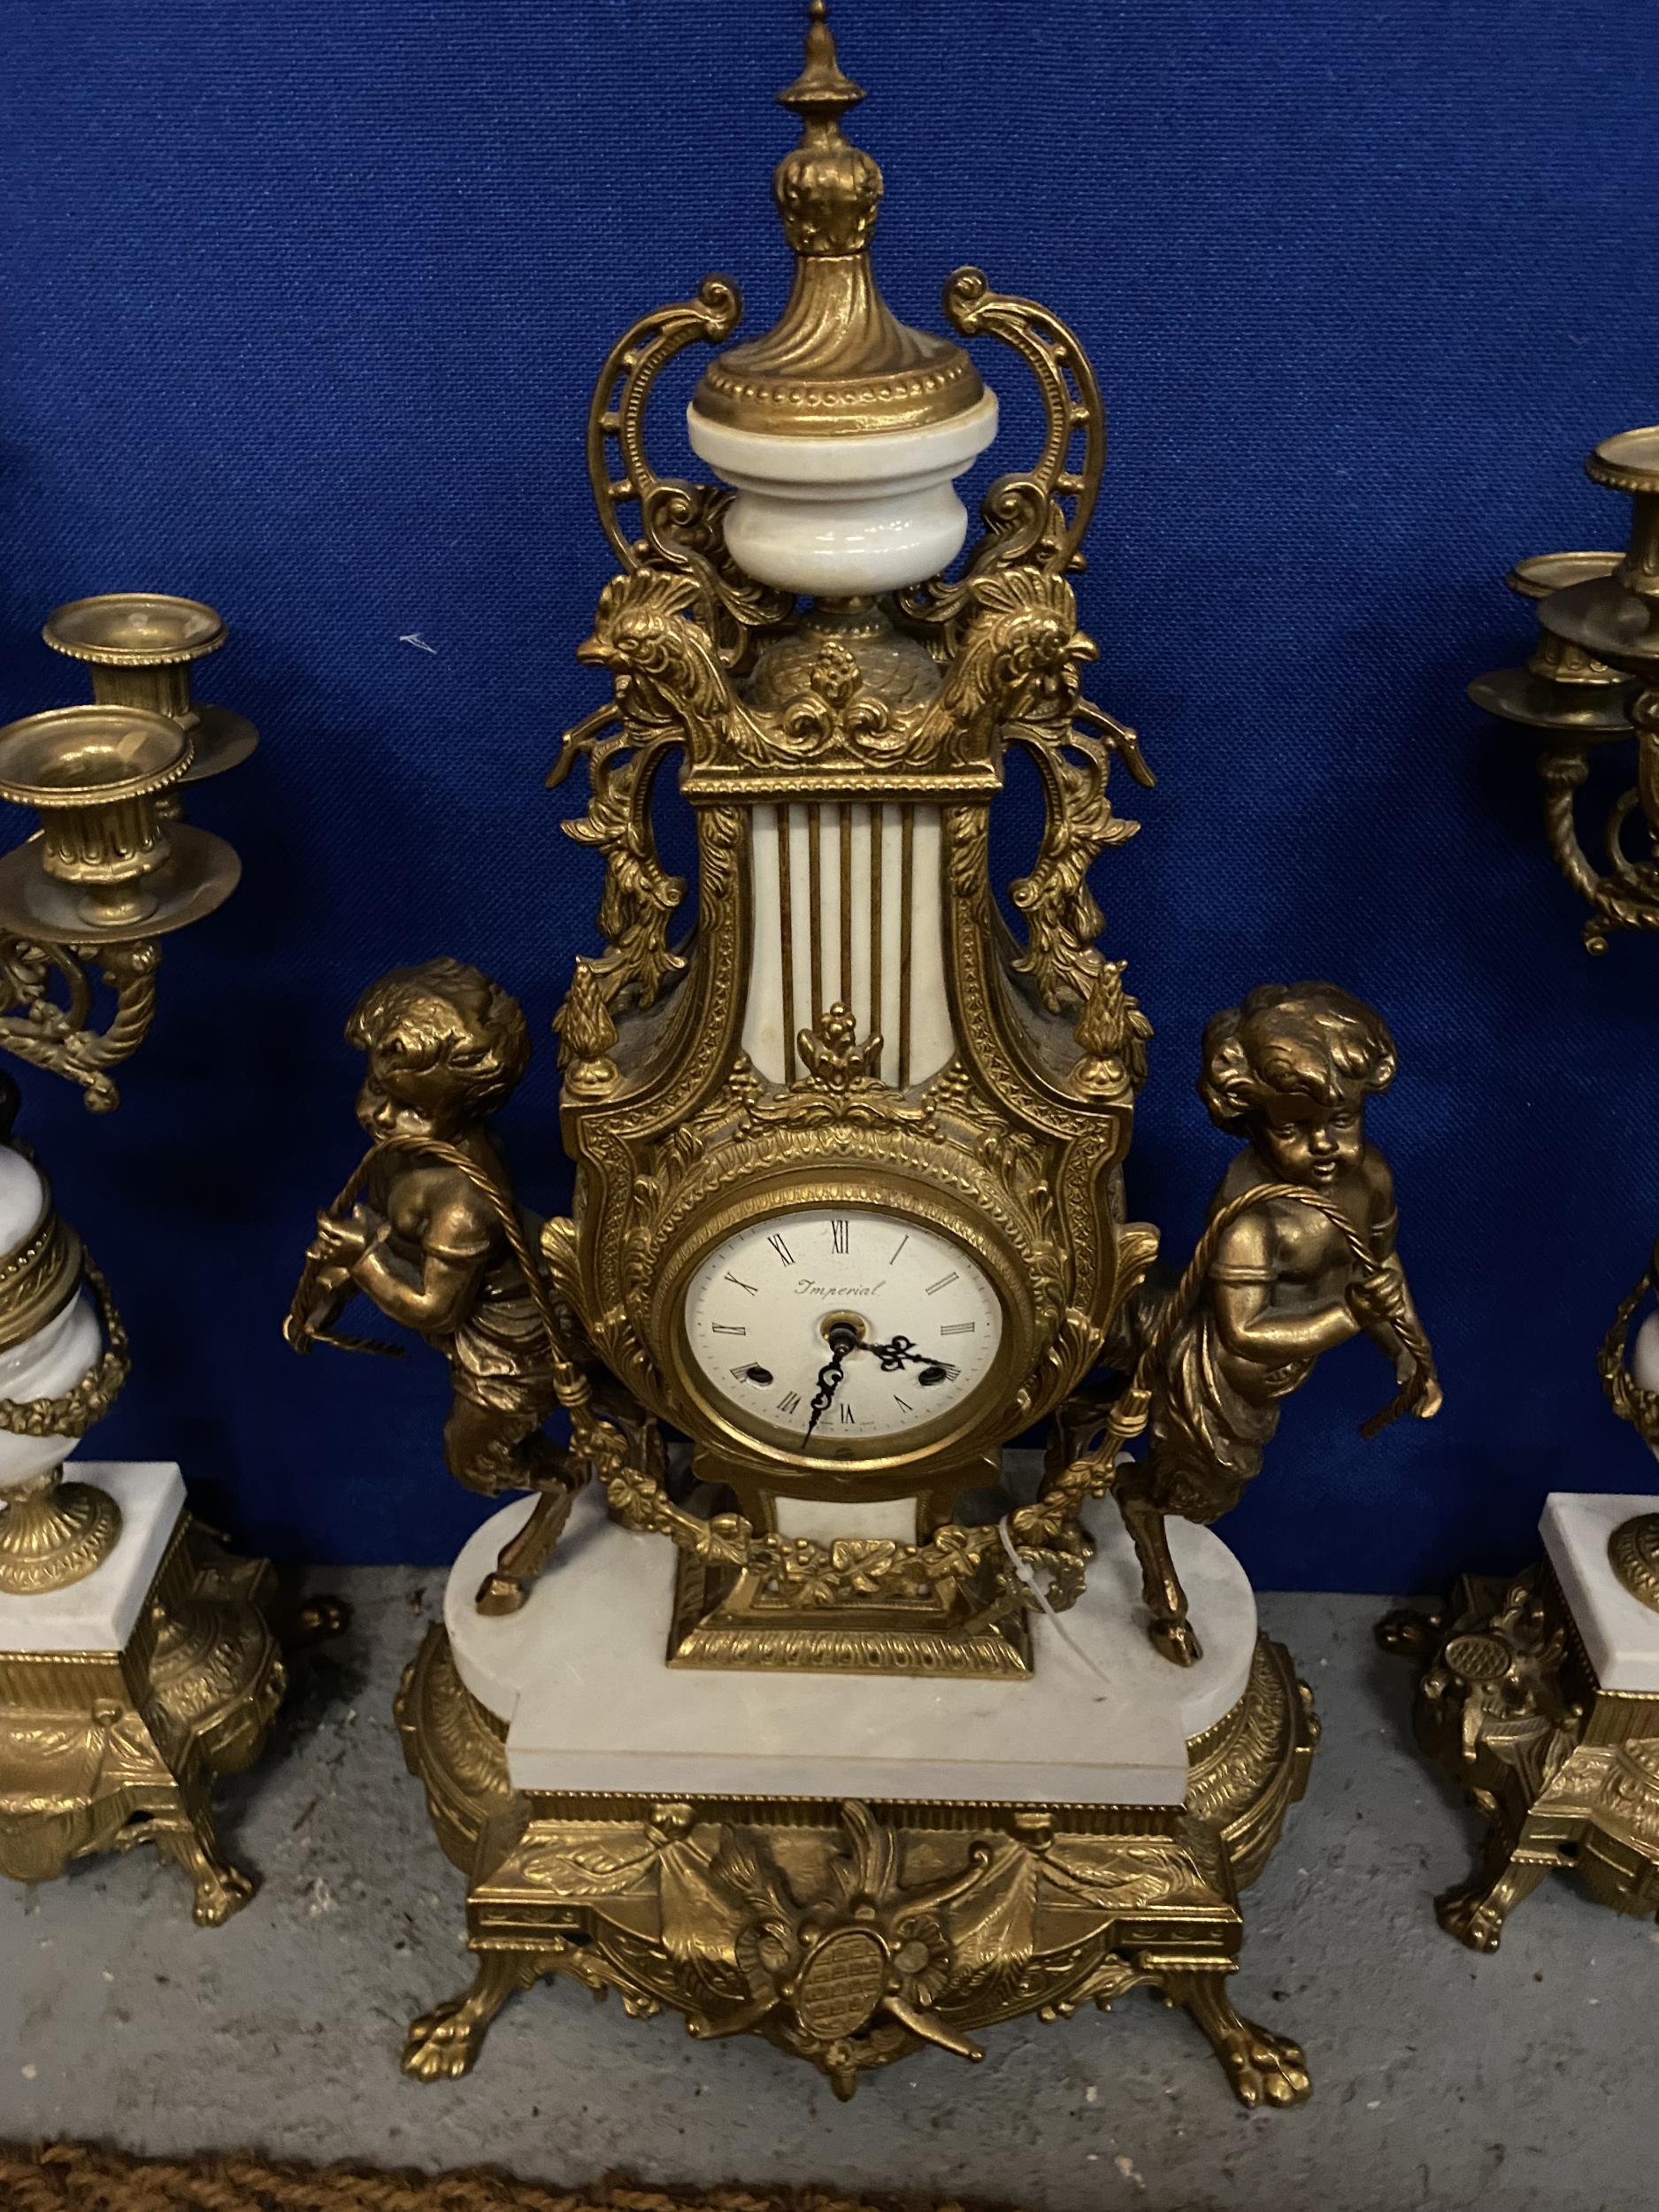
1410, 1633
1264, 2068
444, 2043
1467, 1913
220, 1888
498, 1595
220, 1893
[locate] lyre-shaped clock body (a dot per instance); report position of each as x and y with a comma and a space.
849, 1209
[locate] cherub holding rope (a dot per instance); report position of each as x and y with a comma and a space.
435, 1238
1309, 1265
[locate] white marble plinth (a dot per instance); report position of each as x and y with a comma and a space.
100, 1612
1620, 1633
581, 1678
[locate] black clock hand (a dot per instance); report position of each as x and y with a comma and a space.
829, 1377
902, 1348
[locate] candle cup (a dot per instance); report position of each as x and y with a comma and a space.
1561, 688
1615, 619
107, 867
140, 647
93, 774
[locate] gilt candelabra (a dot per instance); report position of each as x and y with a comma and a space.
136, 1661
1540, 1693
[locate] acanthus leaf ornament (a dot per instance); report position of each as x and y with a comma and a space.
1112, 1035
587, 1031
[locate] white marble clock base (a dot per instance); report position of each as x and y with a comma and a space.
579, 1676
123, 1694
852, 1866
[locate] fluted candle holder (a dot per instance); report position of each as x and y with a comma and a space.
139, 648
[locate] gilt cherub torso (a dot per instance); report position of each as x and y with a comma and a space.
495, 1342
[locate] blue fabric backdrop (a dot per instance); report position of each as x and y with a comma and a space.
304, 300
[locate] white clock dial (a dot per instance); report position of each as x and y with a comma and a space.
837, 1329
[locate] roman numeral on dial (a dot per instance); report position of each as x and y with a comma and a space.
952, 1278
841, 1235
782, 1249
957, 1328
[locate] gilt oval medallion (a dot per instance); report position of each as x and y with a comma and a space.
1634, 1550
841, 1984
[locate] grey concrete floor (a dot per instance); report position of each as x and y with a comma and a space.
1440, 2079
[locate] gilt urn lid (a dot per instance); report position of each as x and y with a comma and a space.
838, 363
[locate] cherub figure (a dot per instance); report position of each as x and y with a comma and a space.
427, 1241
1289, 1276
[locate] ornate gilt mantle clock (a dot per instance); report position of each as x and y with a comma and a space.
868, 1760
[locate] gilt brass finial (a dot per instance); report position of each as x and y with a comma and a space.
822, 93
837, 363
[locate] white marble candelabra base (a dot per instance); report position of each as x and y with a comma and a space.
123, 1694
579, 1675
1540, 1695
100, 1612
1620, 1634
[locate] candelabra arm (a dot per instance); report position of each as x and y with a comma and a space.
58, 1036
1561, 769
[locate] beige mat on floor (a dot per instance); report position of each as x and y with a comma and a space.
71, 2177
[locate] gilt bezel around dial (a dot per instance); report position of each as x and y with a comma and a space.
977, 1420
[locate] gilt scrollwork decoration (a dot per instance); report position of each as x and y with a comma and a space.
1063, 918
1035, 517
640, 897
679, 522
60, 1035
1018, 672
